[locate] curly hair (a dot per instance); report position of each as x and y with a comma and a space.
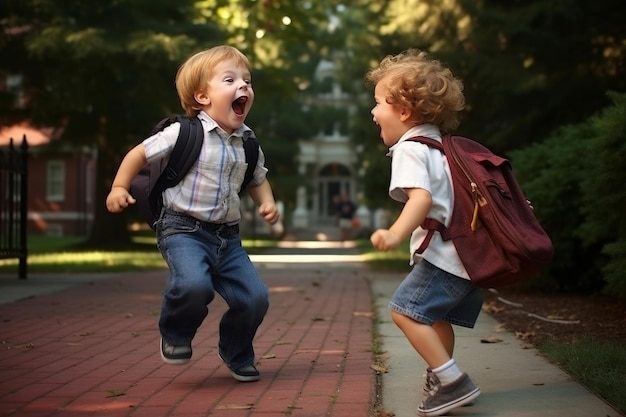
195, 73
422, 85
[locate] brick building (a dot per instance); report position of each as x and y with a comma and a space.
61, 182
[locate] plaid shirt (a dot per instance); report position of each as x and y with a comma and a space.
210, 190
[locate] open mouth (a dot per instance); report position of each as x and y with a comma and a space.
239, 105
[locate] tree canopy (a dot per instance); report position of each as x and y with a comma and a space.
536, 78
103, 75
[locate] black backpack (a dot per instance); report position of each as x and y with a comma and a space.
148, 186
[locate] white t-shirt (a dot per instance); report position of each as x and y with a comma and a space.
415, 165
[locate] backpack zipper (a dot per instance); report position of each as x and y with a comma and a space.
477, 196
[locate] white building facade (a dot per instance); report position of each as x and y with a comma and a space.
328, 162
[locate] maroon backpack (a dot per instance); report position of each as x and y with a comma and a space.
493, 227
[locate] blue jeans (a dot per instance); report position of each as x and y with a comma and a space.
205, 258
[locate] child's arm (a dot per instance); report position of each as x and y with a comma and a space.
119, 198
413, 214
263, 196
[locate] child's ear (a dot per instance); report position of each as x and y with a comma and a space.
405, 114
202, 98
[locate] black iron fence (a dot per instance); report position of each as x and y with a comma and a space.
13, 204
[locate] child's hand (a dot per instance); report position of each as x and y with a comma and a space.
118, 199
269, 212
384, 240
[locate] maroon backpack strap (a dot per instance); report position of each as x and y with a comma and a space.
432, 226
428, 141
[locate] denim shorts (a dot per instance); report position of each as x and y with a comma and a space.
429, 294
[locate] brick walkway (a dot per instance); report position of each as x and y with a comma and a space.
92, 350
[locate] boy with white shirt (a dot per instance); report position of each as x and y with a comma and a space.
198, 230
417, 96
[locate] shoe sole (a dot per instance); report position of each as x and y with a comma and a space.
170, 361
243, 378
467, 400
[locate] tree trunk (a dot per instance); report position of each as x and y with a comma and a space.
108, 230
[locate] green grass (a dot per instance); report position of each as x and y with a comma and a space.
42, 244
600, 366
89, 261
58, 255
61, 255
396, 260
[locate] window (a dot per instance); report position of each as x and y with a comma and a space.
15, 85
54, 230
55, 187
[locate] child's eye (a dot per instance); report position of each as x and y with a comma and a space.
228, 79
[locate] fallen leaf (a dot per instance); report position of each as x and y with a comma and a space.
491, 340
379, 368
492, 308
524, 336
234, 406
112, 393
501, 328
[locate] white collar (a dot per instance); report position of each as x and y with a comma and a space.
243, 132
427, 130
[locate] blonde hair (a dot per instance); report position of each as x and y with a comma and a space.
422, 85
194, 74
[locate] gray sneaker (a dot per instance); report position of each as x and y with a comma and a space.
443, 398
175, 355
431, 382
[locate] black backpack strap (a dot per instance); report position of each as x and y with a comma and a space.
163, 124
185, 152
251, 148
183, 156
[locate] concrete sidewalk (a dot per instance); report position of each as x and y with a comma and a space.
515, 381
76, 346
